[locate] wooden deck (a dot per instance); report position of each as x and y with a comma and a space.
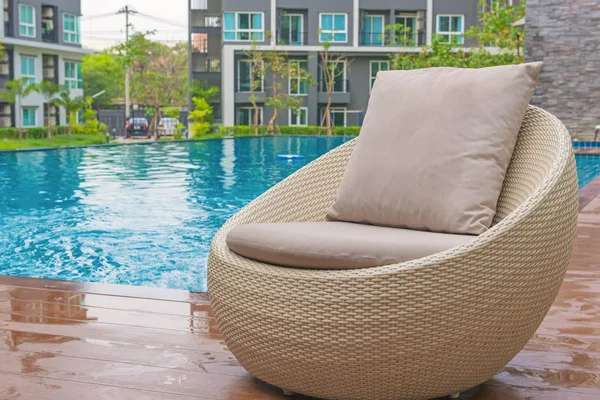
66, 340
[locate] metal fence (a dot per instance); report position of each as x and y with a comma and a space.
114, 118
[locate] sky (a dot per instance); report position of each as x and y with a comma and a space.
101, 32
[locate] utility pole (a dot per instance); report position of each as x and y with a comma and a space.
126, 10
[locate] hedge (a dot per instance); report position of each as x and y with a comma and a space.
42, 133
290, 130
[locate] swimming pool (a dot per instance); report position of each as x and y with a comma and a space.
144, 214
140, 215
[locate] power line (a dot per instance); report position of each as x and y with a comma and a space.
98, 16
162, 20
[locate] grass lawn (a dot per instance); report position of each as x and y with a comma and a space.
56, 141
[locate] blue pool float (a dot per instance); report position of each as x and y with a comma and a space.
290, 156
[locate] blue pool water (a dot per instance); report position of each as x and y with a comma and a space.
139, 215
588, 167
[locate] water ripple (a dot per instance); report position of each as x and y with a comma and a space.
138, 215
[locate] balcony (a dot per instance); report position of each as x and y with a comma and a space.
292, 37
201, 19
340, 93
48, 21
208, 65
50, 68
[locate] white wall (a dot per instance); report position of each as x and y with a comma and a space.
36, 99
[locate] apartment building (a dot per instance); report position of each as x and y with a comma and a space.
356, 28
42, 41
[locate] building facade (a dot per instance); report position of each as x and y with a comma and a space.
42, 41
565, 35
355, 28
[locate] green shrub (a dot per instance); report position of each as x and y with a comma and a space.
89, 128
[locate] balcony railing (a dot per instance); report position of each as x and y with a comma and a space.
208, 65
245, 86
339, 86
291, 37
380, 39
199, 45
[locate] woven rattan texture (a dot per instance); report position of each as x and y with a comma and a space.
417, 330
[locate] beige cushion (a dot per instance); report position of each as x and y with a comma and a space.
434, 148
336, 245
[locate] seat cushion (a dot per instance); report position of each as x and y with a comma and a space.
434, 148
336, 245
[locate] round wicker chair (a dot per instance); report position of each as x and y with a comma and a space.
417, 330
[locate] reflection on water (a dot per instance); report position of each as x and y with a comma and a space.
140, 215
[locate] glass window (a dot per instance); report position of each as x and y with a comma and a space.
28, 69
249, 74
243, 27
451, 27
408, 36
333, 28
373, 31
292, 28
339, 78
71, 30
299, 83
299, 117
73, 77
246, 116
338, 116
26, 20
28, 117
377, 66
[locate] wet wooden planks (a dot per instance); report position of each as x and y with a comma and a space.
67, 340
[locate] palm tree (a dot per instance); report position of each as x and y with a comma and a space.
17, 90
49, 91
71, 105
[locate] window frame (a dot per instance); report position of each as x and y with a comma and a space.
301, 32
34, 110
30, 75
371, 77
28, 25
415, 32
339, 109
69, 33
370, 34
291, 113
344, 77
450, 33
239, 81
251, 109
333, 31
78, 79
250, 31
298, 80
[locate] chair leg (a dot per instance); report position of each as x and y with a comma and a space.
287, 392
454, 396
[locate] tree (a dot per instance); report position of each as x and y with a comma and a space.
49, 91
330, 74
198, 90
16, 91
159, 73
103, 72
283, 69
496, 29
200, 117
71, 105
256, 71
